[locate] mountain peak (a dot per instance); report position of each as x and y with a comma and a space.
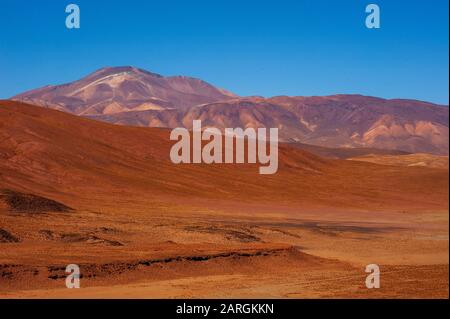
119, 89
105, 71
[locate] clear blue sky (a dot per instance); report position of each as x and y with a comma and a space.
310, 47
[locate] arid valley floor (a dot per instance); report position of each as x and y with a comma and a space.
106, 197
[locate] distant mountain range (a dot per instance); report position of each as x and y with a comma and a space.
132, 96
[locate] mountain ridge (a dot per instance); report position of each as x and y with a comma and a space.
133, 96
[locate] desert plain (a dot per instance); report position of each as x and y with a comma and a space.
107, 198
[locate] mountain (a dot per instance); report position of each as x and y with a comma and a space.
341, 121
362, 121
124, 89
130, 96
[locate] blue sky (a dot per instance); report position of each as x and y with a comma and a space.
310, 47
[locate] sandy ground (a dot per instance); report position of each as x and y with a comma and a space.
209, 255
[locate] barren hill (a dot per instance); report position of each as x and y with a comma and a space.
48, 152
